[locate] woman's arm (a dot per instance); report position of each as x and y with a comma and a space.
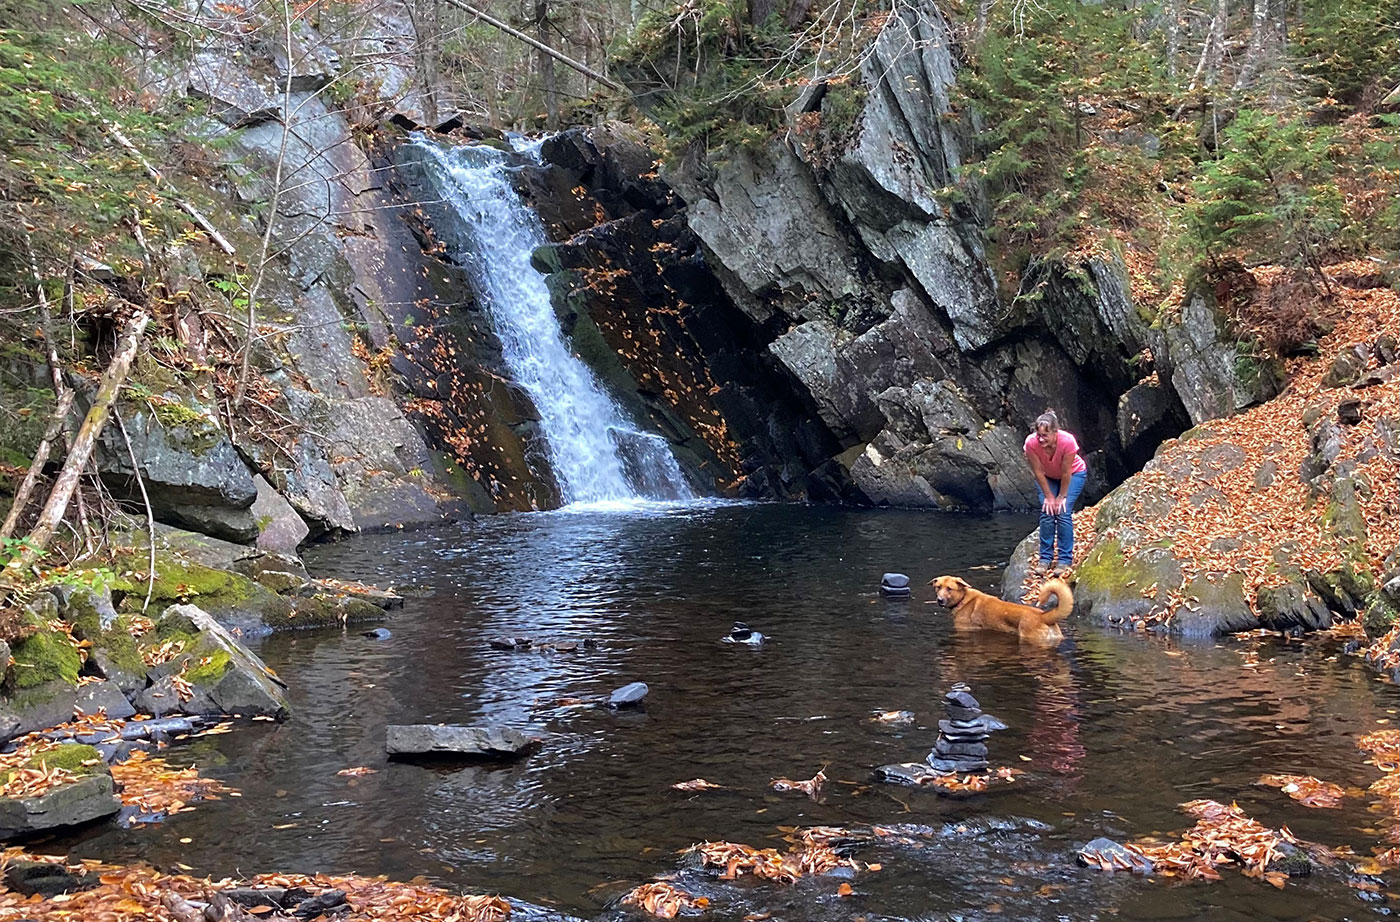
1066, 472
1046, 504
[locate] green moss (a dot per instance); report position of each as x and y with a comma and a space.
43, 657
1380, 615
73, 757
209, 668
180, 580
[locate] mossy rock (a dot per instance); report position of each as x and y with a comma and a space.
114, 650
331, 611
1380, 616
227, 677
1110, 585
233, 598
42, 657
75, 758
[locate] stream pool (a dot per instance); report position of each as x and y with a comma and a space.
1113, 731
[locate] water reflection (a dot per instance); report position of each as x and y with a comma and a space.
1115, 730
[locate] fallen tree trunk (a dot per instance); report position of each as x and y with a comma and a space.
82, 446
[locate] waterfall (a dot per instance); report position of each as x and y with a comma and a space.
596, 454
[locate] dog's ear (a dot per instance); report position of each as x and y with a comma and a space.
961, 583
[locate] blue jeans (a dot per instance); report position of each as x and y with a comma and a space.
1059, 528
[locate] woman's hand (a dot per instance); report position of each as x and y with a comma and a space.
1052, 505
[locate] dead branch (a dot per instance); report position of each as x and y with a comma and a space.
539, 46
82, 446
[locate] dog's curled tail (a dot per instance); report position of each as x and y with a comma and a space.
1064, 600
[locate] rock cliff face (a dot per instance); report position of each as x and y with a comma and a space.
860, 262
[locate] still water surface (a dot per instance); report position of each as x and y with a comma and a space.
1115, 730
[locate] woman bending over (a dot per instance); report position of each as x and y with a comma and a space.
1060, 473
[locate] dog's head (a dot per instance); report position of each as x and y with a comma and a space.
950, 590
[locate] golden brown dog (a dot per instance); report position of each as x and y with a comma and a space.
977, 611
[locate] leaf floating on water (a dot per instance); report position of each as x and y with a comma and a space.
1307, 790
357, 772
696, 784
663, 900
810, 787
893, 717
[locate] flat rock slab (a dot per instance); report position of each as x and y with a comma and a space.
69, 804
438, 740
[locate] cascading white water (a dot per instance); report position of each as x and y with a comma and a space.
597, 456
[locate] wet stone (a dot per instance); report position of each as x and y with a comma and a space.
463, 742
960, 750
962, 700
325, 902
629, 695
958, 766
40, 878
1116, 856
1349, 412
963, 715
894, 585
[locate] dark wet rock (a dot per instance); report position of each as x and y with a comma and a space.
1349, 412
958, 766
743, 634
104, 697
972, 730
117, 752
88, 798
894, 584
253, 897
46, 879
963, 714
448, 741
328, 901
955, 750
1292, 860
1111, 855
961, 698
910, 773
379, 633
993, 724
629, 695
986, 825
169, 726
510, 643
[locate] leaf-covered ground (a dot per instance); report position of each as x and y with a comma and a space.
1238, 528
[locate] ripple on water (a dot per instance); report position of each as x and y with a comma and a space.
1113, 731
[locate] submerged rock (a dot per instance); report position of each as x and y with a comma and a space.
1108, 855
406, 740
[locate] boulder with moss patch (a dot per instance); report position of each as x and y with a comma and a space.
40, 686
89, 796
224, 676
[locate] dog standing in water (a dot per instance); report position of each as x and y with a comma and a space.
978, 611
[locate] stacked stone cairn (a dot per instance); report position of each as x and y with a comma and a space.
961, 747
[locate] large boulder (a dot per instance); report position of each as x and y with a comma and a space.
90, 796
192, 473
225, 676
